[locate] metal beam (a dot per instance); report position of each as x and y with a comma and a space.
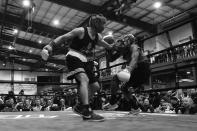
37, 57
20, 41
35, 82
173, 6
30, 64
40, 28
91, 9
34, 66
23, 42
133, 22
104, 6
78, 5
3, 18
22, 18
33, 56
30, 70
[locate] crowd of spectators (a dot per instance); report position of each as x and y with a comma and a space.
178, 101
59, 101
180, 52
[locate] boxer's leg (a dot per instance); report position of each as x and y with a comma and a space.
77, 71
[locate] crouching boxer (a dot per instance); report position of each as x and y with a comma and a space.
84, 41
137, 69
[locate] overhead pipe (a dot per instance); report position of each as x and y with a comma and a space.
176, 26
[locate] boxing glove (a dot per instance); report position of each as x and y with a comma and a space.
47, 50
124, 75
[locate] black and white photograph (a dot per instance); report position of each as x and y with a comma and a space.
98, 65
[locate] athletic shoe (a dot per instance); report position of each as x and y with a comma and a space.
111, 107
134, 112
94, 117
78, 109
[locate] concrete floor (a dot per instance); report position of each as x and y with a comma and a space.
115, 121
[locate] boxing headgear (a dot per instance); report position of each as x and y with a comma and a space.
97, 22
124, 75
130, 37
109, 39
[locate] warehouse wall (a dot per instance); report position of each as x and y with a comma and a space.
178, 36
29, 89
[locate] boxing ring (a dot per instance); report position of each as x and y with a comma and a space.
115, 121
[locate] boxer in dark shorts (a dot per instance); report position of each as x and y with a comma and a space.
84, 40
137, 71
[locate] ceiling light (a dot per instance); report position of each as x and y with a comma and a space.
40, 41
188, 72
10, 47
186, 80
110, 33
26, 3
157, 4
56, 22
15, 31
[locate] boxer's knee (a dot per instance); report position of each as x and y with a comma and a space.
125, 88
82, 79
115, 84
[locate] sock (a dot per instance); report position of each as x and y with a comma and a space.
86, 106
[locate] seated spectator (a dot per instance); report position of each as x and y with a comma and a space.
124, 104
193, 109
62, 104
175, 104
38, 106
114, 102
50, 106
43, 102
146, 106
19, 106
186, 105
9, 106
154, 99
96, 101
1, 105
27, 106
10, 95
163, 107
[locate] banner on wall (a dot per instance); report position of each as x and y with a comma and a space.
4, 88
45, 88
29, 89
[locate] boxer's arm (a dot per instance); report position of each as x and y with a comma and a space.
113, 55
104, 44
134, 57
48, 49
77, 32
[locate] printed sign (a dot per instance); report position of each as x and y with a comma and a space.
25, 116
